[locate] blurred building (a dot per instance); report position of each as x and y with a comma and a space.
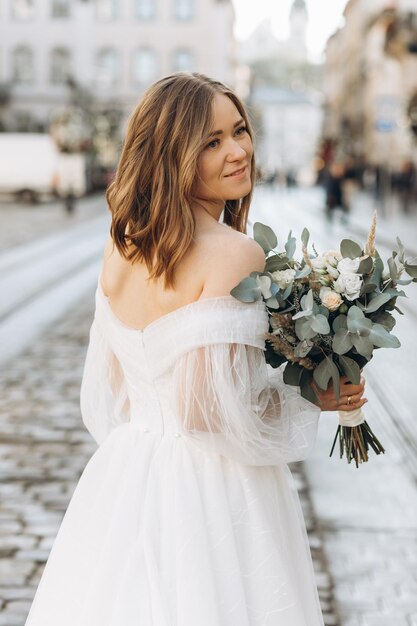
284, 95
370, 84
262, 44
290, 123
113, 48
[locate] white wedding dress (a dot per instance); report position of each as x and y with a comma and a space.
186, 514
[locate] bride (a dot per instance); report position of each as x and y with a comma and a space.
187, 513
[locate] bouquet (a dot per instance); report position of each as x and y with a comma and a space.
327, 314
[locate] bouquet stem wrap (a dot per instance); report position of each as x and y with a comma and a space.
355, 437
351, 418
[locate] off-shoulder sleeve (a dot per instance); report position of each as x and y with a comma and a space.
229, 401
103, 396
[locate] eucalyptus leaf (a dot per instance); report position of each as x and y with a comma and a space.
365, 266
402, 250
339, 322
301, 314
367, 288
376, 302
290, 246
303, 272
381, 338
308, 393
276, 262
287, 291
394, 293
393, 272
292, 373
354, 313
305, 236
303, 329
376, 276
307, 301
387, 320
303, 348
320, 324
342, 342
265, 236
350, 369
411, 269
350, 249
272, 302
325, 371
402, 281
247, 290
359, 325
363, 345
322, 374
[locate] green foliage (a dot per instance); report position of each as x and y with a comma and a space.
247, 290
265, 236
350, 249
325, 371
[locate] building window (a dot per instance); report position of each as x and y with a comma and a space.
144, 66
23, 9
145, 9
107, 73
183, 60
107, 9
184, 9
60, 8
22, 65
60, 66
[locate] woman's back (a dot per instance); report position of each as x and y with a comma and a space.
216, 261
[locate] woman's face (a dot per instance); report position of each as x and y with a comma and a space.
224, 165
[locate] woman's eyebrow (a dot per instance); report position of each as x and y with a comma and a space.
220, 132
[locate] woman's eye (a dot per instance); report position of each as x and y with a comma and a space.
213, 144
241, 130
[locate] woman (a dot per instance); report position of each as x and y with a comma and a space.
187, 513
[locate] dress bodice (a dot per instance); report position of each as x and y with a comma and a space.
197, 372
148, 356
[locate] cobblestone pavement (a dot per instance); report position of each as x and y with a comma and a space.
43, 449
22, 223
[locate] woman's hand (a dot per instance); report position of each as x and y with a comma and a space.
327, 400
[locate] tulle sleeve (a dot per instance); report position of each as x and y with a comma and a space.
103, 396
231, 402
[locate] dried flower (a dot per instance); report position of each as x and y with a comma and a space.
370, 243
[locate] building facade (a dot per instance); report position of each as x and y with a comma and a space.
284, 95
370, 84
112, 48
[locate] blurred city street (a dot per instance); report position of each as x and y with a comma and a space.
331, 92
362, 522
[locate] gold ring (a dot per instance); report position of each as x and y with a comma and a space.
349, 400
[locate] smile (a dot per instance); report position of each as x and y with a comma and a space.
238, 172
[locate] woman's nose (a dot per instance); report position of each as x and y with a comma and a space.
236, 151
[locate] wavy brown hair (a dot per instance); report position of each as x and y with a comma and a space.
151, 196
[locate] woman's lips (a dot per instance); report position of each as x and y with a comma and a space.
237, 173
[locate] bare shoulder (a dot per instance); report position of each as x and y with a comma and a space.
112, 266
229, 259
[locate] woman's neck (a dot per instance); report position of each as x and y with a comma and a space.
212, 209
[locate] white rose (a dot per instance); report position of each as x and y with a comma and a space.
264, 282
348, 265
349, 285
332, 257
330, 298
283, 277
319, 264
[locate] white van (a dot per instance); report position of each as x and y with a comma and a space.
29, 164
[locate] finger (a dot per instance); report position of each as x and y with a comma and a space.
353, 406
350, 390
